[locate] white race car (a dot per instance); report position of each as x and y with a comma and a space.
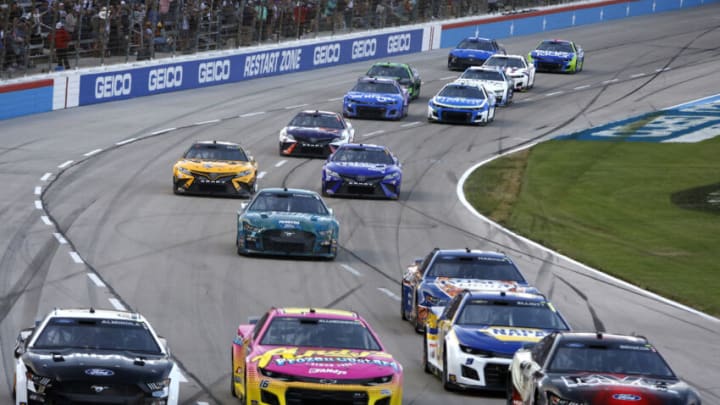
515, 66
494, 80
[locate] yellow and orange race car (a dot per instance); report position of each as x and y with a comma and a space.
215, 168
311, 356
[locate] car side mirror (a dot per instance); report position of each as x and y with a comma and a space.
164, 343
20, 341
330, 210
253, 320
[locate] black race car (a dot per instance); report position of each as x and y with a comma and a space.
88, 356
575, 368
315, 134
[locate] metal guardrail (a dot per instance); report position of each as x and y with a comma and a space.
106, 32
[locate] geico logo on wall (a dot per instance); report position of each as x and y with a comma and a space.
113, 85
364, 48
215, 71
328, 53
398, 43
165, 78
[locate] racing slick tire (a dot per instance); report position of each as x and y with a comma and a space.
426, 363
402, 310
445, 380
232, 380
579, 66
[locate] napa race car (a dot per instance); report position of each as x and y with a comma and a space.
313, 356
516, 67
380, 98
93, 356
595, 368
315, 134
215, 168
287, 222
494, 80
405, 74
472, 51
472, 341
434, 280
362, 170
462, 102
557, 55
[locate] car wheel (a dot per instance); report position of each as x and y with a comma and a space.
403, 316
445, 380
509, 391
232, 371
426, 363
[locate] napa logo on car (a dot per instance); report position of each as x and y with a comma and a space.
509, 334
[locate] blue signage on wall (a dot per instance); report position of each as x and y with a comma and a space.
138, 82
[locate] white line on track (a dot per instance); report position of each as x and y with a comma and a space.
251, 114
261, 175
162, 131
207, 122
335, 99
76, 258
555, 93
350, 270
389, 293
95, 279
380, 131
46, 220
92, 152
582, 87
411, 124
611, 81
290, 107
38, 204
121, 143
38, 190
448, 77
280, 163
46, 176
202, 403
117, 304
61, 240
636, 75
662, 69
66, 164
526, 100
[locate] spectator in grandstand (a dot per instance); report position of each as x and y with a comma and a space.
61, 40
19, 38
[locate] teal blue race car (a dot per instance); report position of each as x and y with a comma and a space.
287, 222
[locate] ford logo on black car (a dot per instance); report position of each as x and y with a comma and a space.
99, 372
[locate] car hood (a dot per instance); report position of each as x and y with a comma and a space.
333, 364
471, 53
361, 168
288, 220
617, 389
214, 166
458, 102
318, 133
100, 367
380, 98
502, 340
491, 84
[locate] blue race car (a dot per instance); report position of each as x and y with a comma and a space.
381, 98
362, 170
473, 51
556, 55
462, 102
432, 281
472, 342
288, 222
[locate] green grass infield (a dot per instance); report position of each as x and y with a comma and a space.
647, 213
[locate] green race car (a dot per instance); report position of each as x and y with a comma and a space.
406, 75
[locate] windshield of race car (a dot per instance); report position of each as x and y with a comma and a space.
555, 46
475, 44
213, 151
388, 71
478, 268
460, 91
615, 358
504, 62
473, 74
519, 314
317, 121
362, 155
97, 334
317, 332
376, 87
288, 202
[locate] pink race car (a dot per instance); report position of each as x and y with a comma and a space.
307, 355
